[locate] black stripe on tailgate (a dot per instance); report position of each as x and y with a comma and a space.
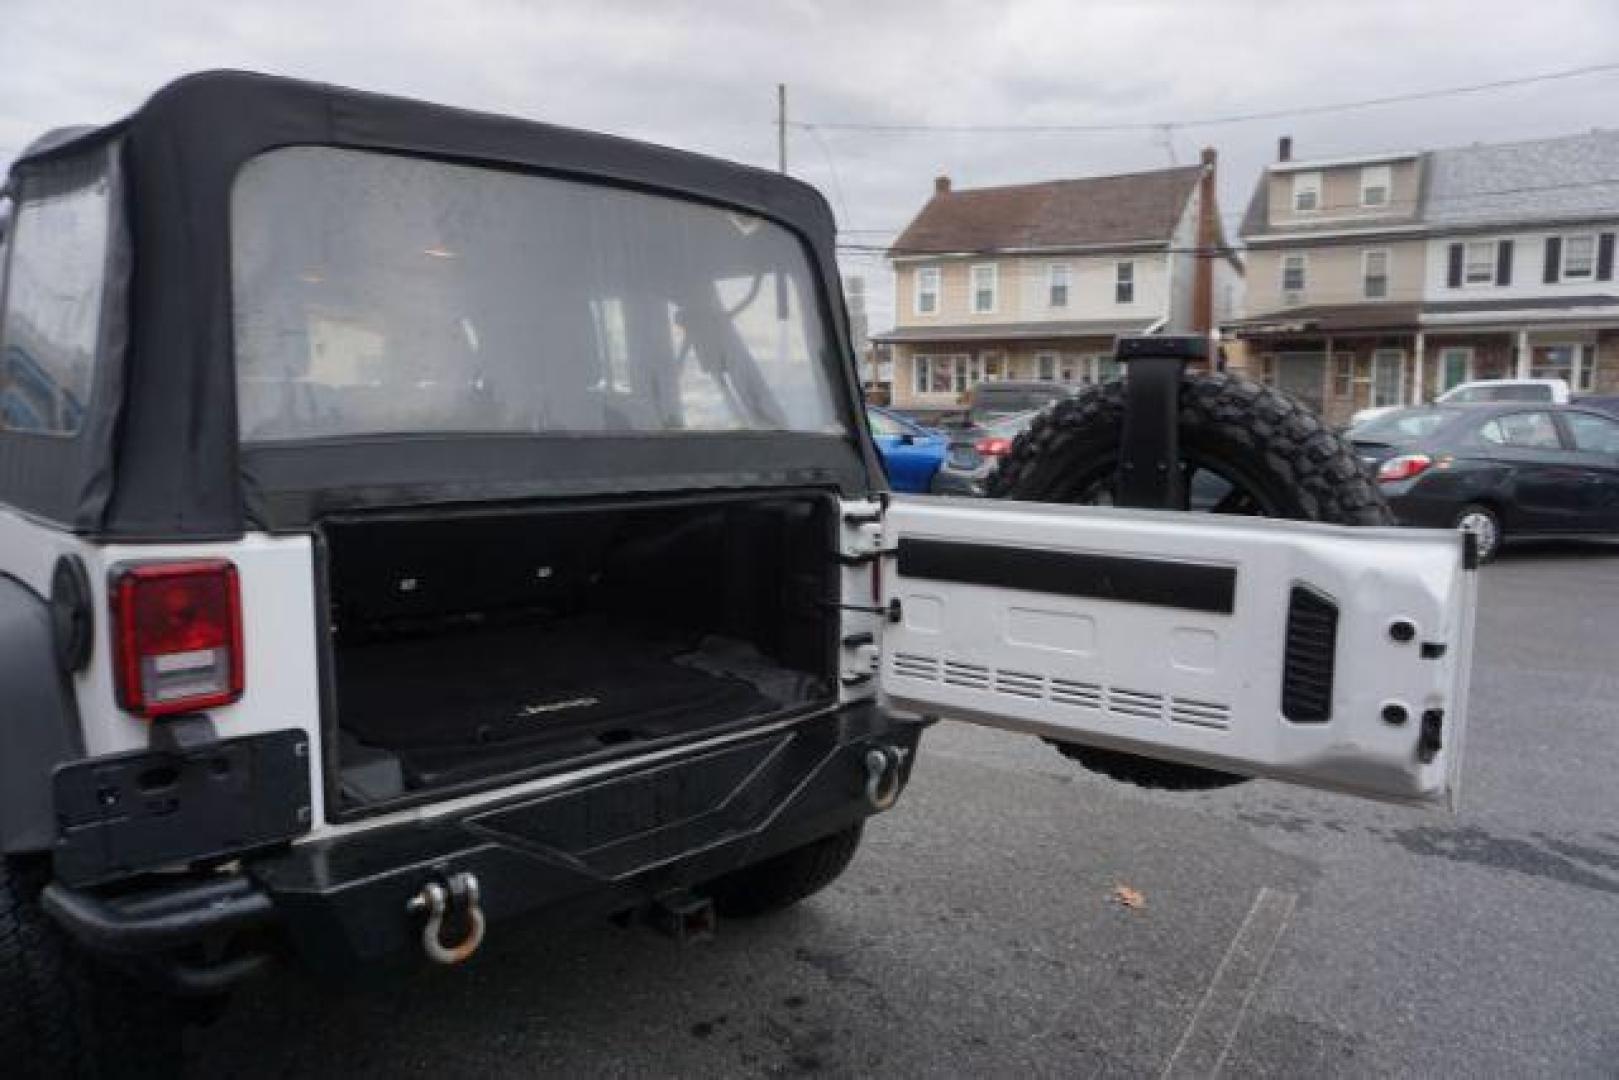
1127, 579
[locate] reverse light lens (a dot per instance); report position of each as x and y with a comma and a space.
1403, 467
177, 630
994, 446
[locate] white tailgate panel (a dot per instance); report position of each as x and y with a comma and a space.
1164, 634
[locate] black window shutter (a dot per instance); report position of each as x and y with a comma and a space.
1605, 257
1455, 266
1554, 259
1503, 263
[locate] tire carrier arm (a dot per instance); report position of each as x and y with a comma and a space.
1150, 476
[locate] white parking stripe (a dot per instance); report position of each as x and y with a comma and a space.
1212, 1031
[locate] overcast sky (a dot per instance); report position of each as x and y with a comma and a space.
702, 76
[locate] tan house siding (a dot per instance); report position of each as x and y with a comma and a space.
1333, 273
1340, 194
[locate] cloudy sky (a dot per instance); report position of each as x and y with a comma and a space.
702, 75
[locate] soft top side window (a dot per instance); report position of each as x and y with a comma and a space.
55, 277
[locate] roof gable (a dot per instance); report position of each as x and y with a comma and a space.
1091, 212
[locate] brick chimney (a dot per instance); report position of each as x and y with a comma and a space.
1208, 239
1284, 148
941, 185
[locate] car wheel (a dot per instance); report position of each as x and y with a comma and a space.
782, 881
1485, 525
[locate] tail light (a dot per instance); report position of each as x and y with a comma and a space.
993, 446
1403, 467
177, 629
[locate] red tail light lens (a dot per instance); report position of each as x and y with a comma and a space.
177, 629
1403, 467
994, 446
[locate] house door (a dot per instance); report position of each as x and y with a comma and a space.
1304, 375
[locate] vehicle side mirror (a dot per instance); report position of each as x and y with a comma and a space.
907, 439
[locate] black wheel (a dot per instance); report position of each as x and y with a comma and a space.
783, 880
1485, 525
60, 1014
1245, 449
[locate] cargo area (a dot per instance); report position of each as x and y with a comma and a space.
468, 647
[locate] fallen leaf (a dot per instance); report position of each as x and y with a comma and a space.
1128, 897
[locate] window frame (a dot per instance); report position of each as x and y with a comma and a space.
921, 371
1308, 182
935, 293
1373, 366
1124, 281
1066, 272
1386, 174
1570, 430
1044, 362
994, 290
1590, 271
1468, 246
1366, 277
1304, 273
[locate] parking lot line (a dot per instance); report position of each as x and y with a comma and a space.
1219, 1014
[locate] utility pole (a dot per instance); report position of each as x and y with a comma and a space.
781, 127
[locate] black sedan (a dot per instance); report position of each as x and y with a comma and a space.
1498, 471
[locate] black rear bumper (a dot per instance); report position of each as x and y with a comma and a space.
590, 848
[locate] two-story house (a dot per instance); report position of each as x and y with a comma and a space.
1383, 279
1035, 281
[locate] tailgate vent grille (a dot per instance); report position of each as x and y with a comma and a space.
1135, 703
1204, 714
913, 666
1307, 662
1020, 684
1083, 694
972, 676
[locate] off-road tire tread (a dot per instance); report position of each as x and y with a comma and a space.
1311, 469
783, 880
61, 1016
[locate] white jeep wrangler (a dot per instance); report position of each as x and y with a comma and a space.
413, 519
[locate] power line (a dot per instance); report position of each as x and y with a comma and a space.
1210, 121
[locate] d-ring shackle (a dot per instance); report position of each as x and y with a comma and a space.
434, 899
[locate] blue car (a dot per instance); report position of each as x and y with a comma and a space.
911, 453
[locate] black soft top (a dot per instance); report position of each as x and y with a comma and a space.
158, 456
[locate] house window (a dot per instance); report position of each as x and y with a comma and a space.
1047, 366
1579, 256
920, 366
1103, 369
986, 281
1374, 274
1306, 192
1293, 277
927, 290
1124, 283
994, 367
1375, 183
1388, 377
1566, 362
1068, 369
1478, 264
1455, 367
1343, 376
939, 379
1057, 284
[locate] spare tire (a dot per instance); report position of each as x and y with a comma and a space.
1245, 449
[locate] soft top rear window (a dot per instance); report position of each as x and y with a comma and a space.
380, 294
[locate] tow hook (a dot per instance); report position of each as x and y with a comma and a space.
439, 899
882, 776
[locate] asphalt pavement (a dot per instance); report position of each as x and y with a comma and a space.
1017, 915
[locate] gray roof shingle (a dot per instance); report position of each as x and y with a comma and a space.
1568, 178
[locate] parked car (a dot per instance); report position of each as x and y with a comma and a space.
359, 596
1498, 471
974, 454
992, 400
1485, 392
911, 453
